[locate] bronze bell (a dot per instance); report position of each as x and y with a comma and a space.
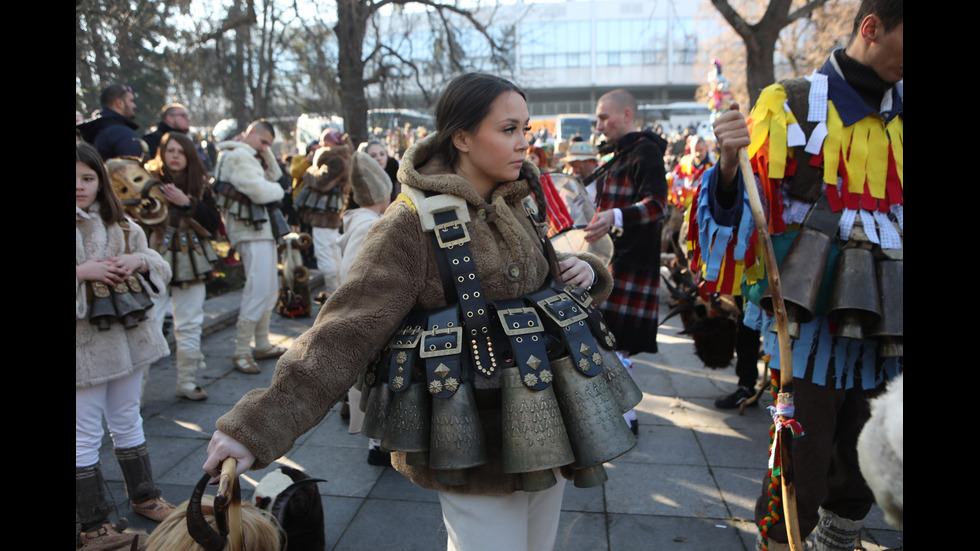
590, 477
101, 310
183, 267
208, 250
407, 424
593, 419
889, 330
854, 297
376, 412
456, 439
620, 382
800, 274
534, 436
128, 311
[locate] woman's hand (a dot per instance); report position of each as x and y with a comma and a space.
130, 264
577, 272
106, 270
222, 447
175, 195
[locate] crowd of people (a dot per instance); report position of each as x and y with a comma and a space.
432, 245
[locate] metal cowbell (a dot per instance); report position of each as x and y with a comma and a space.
407, 424
593, 419
376, 412
620, 382
456, 439
534, 435
854, 297
889, 330
801, 272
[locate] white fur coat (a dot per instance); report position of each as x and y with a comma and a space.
101, 356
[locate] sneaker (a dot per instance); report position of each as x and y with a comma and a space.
736, 398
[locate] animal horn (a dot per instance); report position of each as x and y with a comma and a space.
197, 525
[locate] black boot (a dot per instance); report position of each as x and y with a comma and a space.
91, 504
142, 492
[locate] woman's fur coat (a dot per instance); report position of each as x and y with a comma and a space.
396, 271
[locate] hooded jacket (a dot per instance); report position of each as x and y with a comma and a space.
396, 271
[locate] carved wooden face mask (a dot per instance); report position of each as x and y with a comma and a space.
139, 193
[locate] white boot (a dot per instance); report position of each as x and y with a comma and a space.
242, 358
188, 363
263, 347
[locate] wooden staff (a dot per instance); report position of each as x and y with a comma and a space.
785, 397
229, 497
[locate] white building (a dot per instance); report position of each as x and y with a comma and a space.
567, 54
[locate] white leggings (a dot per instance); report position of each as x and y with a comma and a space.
522, 521
261, 291
119, 402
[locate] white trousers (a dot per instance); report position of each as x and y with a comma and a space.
118, 401
326, 244
522, 521
188, 313
261, 263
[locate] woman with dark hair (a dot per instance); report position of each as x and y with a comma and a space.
457, 253
112, 260
185, 242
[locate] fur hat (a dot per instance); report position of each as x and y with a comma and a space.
369, 182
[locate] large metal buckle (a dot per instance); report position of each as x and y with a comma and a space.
433, 351
551, 306
579, 295
520, 321
413, 334
451, 225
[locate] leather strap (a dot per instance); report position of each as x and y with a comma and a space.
440, 346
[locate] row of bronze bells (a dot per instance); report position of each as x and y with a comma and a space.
309, 198
125, 302
578, 421
866, 299
190, 256
234, 203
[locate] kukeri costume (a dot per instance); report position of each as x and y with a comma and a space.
185, 243
109, 361
248, 193
442, 361
830, 169
320, 204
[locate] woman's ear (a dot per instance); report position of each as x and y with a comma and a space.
461, 141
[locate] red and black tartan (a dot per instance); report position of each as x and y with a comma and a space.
635, 182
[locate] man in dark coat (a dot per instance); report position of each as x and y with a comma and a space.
173, 117
113, 131
632, 196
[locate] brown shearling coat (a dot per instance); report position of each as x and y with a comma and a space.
396, 271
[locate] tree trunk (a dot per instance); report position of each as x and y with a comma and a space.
352, 17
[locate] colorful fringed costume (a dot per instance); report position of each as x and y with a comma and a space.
817, 149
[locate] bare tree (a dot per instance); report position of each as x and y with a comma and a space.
760, 38
351, 32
